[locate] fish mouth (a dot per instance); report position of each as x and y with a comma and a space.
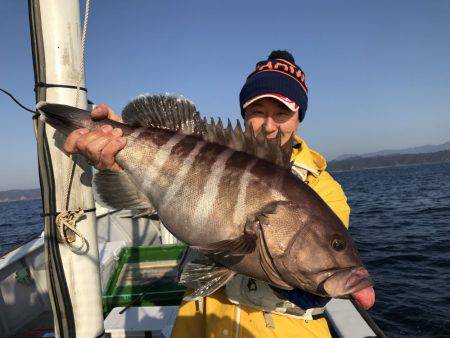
350, 282
344, 282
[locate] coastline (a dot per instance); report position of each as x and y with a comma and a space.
23, 198
387, 166
20, 195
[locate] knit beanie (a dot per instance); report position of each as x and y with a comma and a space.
277, 75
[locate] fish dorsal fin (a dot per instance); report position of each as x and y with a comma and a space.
247, 142
176, 113
164, 111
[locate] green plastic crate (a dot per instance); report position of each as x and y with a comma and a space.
145, 276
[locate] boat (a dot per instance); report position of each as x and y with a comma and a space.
106, 274
139, 290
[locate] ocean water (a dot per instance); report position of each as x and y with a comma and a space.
400, 221
20, 221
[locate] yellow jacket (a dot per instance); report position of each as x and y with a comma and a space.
320, 180
216, 316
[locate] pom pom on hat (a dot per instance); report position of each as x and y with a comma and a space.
281, 54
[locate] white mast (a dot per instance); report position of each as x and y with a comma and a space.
56, 41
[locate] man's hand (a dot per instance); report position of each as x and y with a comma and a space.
99, 146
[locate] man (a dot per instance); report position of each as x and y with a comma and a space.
273, 98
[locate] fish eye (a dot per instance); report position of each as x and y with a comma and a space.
338, 244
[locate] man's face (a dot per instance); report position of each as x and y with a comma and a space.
272, 115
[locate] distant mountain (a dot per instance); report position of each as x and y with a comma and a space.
357, 163
414, 150
20, 195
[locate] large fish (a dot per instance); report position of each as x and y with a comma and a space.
227, 193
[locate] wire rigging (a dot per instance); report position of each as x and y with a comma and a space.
18, 103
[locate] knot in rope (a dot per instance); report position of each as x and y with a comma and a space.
66, 222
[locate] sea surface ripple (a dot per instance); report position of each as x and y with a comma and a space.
400, 220
20, 221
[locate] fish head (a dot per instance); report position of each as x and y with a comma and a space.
320, 257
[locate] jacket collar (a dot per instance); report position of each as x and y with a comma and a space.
307, 159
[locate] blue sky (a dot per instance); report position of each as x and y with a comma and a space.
378, 71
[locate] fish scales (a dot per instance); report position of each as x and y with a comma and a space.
184, 155
214, 177
142, 147
197, 184
233, 198
239, 210
191, 191
170, 174
211, 190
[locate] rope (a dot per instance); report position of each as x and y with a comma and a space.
48, 214
66, 220
83, 42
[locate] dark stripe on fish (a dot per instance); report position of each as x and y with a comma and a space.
229, 190
172, 170
211, 189
183, 155
192, 189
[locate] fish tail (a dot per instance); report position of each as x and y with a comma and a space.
66, 118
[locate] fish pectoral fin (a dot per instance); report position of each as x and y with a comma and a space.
241, 245
205, 277
238, 246
117, 191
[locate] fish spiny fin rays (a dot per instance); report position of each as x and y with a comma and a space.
117, 191
205, 277
247, 142
163, 111
241, 245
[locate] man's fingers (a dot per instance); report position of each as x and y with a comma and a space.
94, 149
70, 146
102, 111
113, 116
84, 140
108, 153
116, 167
99, 146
